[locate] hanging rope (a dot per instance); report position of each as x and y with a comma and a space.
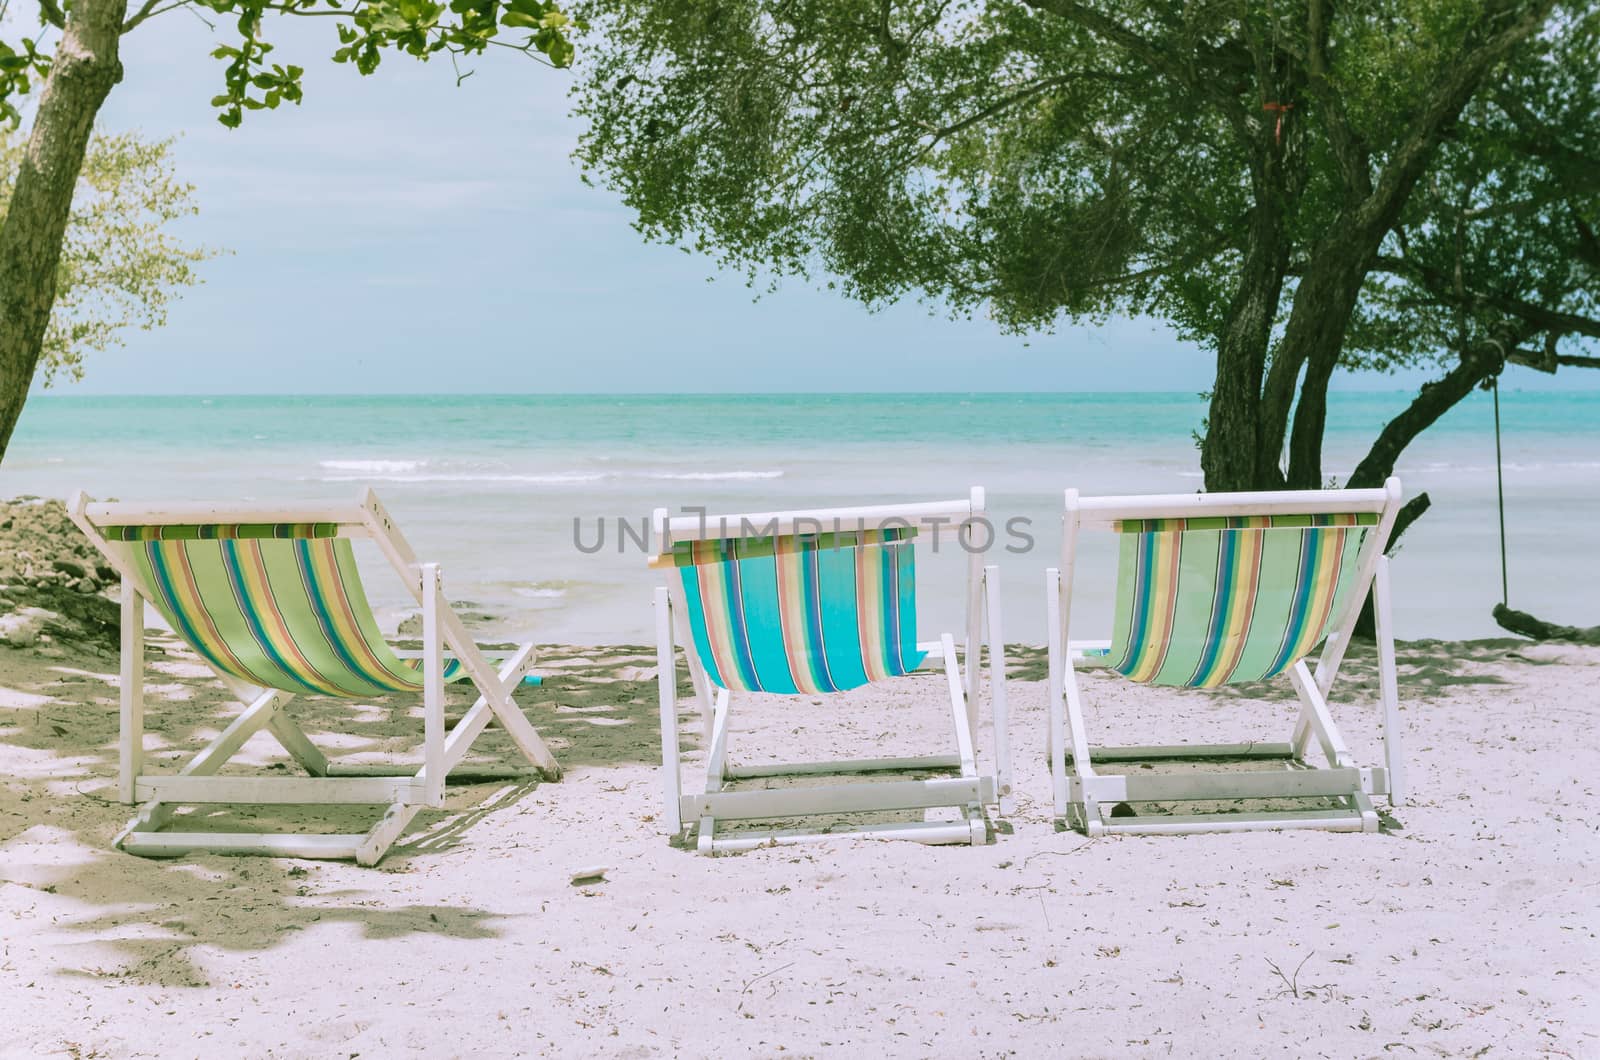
1500, 489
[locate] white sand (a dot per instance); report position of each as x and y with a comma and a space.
1470, 931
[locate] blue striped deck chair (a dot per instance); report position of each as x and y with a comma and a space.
271, 600
814, 604
1229, 589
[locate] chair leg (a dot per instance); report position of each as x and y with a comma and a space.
1316, 719
1082, 766
1369, 816
961, 716
298, 745
131, 747
432, 687
510, 716
999, 707
1055, 739
1388, 684
376, 843
151, 817
667, 688
716, 771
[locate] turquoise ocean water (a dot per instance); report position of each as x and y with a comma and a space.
503, 490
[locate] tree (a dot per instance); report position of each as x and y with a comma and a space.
76, 77
1270, 178
119, 267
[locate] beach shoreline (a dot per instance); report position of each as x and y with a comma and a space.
522, 498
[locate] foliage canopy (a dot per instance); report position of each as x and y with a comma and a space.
120, 264
1226, 167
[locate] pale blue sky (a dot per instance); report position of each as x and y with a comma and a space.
397, 233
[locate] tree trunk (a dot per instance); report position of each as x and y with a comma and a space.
83, 71
1314, 337
1231, 454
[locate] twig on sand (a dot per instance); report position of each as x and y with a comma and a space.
758, 979
1054, 853
1290, 981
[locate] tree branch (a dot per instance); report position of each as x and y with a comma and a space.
50, 11
149, 10
1021, 94
1433, 401
1145, 50
1538, 140
1102, 25
1588, 249
1451, 92
1347, 148
1441, 287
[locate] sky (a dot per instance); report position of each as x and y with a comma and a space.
397, 233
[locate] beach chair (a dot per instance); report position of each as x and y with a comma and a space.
1222, 589
807, 604
270, 599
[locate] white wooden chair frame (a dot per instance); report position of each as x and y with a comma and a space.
404, 790
969, 791
1082, 799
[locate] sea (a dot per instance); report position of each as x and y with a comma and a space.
533, 505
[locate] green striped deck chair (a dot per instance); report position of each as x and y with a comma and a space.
1228, 589
812, 614
273, 602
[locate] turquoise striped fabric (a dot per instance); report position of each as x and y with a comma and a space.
802, 615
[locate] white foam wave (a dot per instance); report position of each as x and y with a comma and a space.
710, 476
1438, 467
556, 479
422, 471
372, 467
541, 594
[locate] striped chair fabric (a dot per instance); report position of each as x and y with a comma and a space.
278, 605
802, 614
1212, 601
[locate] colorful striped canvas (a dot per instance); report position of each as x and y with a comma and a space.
802, 614
1212, 601
278, 610
218, 531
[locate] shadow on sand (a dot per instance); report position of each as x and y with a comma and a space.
59, 814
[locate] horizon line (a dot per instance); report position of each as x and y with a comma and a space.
53, 395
